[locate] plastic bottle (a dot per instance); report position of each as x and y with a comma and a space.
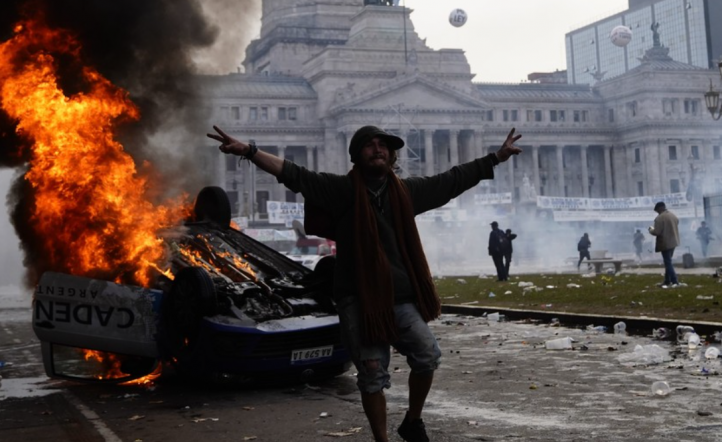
660, 388
600, 329
693, 340
682, 330
559, 344
712, 353
492, 317
620, 328
661, 333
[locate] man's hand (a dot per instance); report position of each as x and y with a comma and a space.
508, 149
228, 143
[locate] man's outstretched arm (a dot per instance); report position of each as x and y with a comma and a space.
229, 145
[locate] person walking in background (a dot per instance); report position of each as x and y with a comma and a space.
666, 229
583, 247
508, 251
382, 287
704, 235
638, 241
497, 246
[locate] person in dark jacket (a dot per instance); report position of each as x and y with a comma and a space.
508, 251
383, 289
583, 247
704, 235
497, 247
638, 241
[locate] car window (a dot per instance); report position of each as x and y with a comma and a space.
305, 250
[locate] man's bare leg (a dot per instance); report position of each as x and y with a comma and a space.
375, 408
419, 387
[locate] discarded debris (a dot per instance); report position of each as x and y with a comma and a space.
645, 355
136, 417
349, 432
660, 388
558, 344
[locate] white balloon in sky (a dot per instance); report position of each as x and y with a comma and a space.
457, 18
620, 36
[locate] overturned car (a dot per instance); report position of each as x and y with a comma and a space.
231, 309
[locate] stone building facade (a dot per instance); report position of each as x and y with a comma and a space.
323, 68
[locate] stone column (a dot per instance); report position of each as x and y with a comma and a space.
454, 147
608, 171
309, 158
535, 168
631, 184
280, 193
429, 151
404, 154
344, 159
585, 171
663, 158
560, 170
651, 153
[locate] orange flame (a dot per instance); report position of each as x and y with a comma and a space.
90, 206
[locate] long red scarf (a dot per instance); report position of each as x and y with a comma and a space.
373, 271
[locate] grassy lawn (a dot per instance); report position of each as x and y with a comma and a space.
613, 295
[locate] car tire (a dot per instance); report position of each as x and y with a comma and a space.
212, 204
191, 297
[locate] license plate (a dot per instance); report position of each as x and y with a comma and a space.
311, 353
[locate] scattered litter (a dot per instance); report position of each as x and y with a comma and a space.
704, 413
324, 414
573, 286
508, 292
645, 355
661, 333
136, 417
683, 332
203, 419
693, 340
712, 353
492, 295
470, 302
558, 344
705, 297
660, 388
551, 287
494, 317
597, 329
249, 438
526, 284
620, 328
248, 408
349, 432
461, 281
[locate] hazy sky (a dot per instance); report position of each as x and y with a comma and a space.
503, 40
506, 40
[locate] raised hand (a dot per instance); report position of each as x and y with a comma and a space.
228, 143
508, 149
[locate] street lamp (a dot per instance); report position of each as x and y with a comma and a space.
711, 98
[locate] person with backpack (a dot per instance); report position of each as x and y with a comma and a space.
583, 247
508, 250
498, 243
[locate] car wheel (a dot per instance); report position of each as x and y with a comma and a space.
212, 204
192, 296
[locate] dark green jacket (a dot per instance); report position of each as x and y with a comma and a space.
335, 194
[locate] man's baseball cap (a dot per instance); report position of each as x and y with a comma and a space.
366, 133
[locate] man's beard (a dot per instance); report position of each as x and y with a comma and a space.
375, 169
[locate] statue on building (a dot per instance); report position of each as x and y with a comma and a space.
528, 192
655, 34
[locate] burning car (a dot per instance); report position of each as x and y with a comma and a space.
228, 308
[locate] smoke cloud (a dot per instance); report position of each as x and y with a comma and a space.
154, 50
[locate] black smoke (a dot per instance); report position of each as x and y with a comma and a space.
146, 48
